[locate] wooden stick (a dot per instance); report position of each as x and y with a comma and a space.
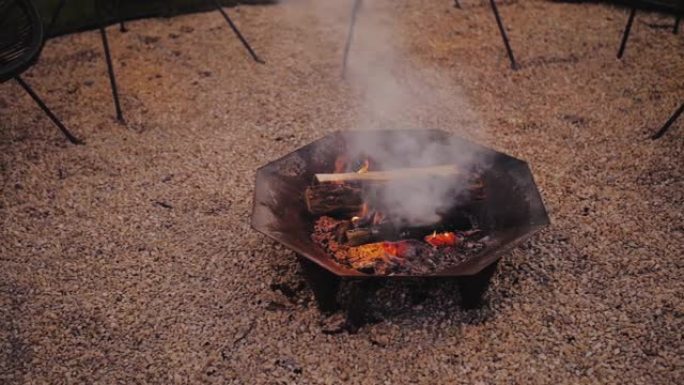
382, 176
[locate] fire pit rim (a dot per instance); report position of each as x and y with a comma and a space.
346, 272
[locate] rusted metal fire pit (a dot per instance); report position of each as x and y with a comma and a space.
511, 210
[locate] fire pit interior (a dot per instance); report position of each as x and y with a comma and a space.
396, 203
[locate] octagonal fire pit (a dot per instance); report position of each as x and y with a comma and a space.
396, 203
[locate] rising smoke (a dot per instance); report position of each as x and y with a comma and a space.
397, 90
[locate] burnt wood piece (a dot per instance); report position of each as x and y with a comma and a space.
332, 198
388, 232
473, 287
323, 283
360, 236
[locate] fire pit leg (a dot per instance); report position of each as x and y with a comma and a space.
473, 287
323, 284
357, 311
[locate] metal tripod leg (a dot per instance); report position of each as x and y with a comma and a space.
237, 32
350, 34
47, 111
625, 35
502, 29
669, 122
112, 78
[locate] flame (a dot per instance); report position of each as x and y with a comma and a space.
364, 168
443, 239
361, 214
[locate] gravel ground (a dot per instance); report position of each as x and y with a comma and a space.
131, 260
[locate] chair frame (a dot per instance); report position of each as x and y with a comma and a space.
105, 42
630, 20
669, 123
14, 70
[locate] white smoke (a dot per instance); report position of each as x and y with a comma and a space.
397, 91
400, 93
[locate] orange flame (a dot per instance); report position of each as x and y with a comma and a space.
442, 239
364, 168
361, 214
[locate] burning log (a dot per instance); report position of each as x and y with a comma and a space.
389, 175
388, 231
330, 198
357, 237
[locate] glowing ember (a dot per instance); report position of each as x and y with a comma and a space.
397, 249
442, 239
387, 253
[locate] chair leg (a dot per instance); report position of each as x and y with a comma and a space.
350, 34
625, 35
502, 29
669, 122
122, 26
55, 16
112, 78
675, 29
237, 32
47, 111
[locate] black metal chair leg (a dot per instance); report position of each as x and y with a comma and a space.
625, 35
675, 29
350, 35
112, 78
122, 26
502, 29
237, 32
669, 122
47, 111
55, 15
